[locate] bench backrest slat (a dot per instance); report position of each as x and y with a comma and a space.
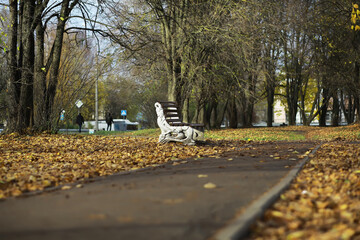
168, 104
173, 118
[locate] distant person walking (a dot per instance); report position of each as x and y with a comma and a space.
79, 121
109, 121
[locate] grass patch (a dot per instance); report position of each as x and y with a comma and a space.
257, 134
288, 133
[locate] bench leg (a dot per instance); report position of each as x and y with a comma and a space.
198, 135
184, 136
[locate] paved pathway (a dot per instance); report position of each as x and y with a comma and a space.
168, 202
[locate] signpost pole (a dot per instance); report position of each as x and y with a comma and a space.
96, 106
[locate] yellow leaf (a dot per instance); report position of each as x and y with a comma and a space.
277, 214
346, 215
66, 188
357, 28
202, 176
356, 6
321, 205
348, 233
343, 207
353, 18
230, 159
16, 192
32, 178
209, 185
46, 183
295, 235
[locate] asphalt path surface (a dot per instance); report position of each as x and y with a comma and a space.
166, 202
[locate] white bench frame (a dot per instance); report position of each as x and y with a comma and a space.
185, 134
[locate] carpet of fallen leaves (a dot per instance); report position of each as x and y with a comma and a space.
32, 163
323, 202
349, 133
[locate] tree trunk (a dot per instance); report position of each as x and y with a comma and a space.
357, 83
232, 113
270, 106
40, 81
12, 86
199, 114
247, 110
346, 104
214, 115
335, 111
208, 113
28, 58
185, 111
323, 108
51, 113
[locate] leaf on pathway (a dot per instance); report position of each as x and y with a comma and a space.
209, 185
65, 187
202, 176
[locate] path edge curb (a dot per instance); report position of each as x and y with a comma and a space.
239, 227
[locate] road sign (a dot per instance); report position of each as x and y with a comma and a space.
123, 112
79, 103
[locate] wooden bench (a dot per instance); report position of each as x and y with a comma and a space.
172, 127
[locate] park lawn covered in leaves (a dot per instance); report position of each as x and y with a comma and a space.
348, 133
259, 134
30, 163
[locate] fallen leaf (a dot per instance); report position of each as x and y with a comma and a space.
209, 185
295, 235
202, 176
66, 187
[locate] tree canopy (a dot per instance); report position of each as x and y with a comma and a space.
218, 59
